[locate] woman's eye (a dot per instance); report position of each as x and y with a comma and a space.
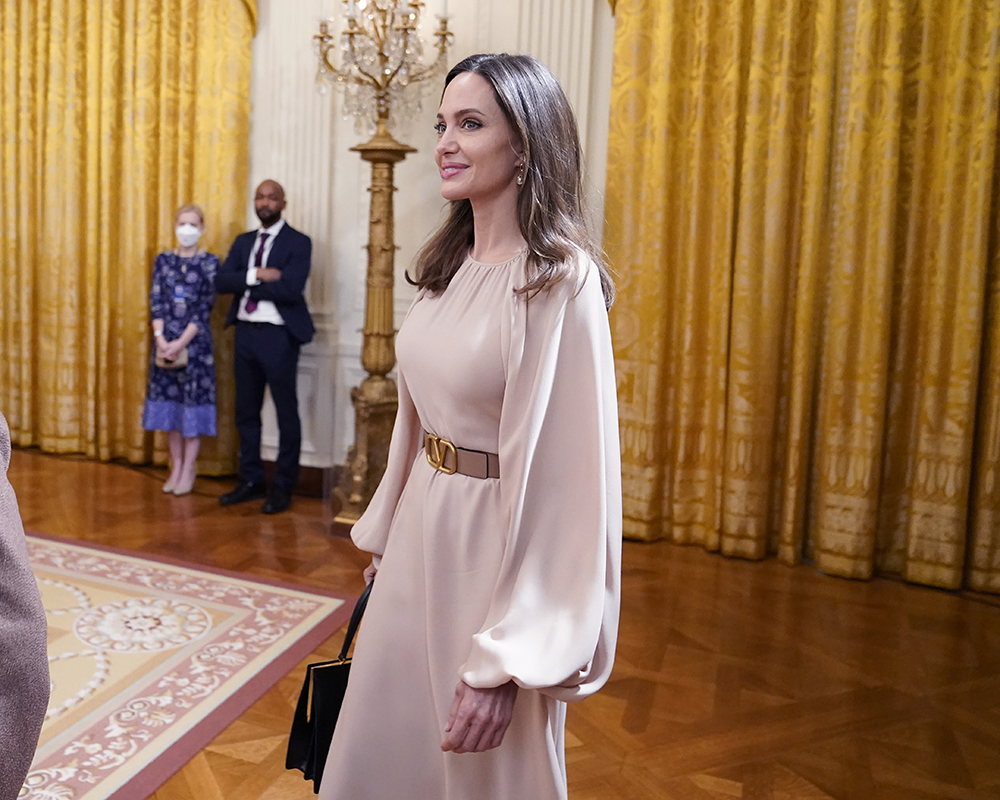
439, 128
471, 124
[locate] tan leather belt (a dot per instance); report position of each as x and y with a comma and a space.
445, 457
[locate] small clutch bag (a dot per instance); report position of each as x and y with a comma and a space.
178, 363
319, 705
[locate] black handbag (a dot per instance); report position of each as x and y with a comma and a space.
319, 705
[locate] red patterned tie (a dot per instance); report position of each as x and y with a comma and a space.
257, 261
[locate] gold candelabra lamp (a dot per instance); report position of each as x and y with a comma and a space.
383, 72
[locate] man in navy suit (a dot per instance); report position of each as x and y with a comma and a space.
266, 273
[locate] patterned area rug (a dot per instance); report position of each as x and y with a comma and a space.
151, 659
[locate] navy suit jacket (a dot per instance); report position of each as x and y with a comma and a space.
291, 252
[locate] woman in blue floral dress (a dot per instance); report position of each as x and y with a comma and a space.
181, 400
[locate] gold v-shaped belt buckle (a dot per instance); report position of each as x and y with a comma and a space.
437, 451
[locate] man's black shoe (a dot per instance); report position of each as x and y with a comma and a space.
278, 500
245, 491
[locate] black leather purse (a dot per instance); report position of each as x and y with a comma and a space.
319, 705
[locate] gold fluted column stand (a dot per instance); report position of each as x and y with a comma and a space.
382, 69
375, 400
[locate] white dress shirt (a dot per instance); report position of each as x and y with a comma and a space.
266, 311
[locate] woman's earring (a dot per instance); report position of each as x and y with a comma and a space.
520, 174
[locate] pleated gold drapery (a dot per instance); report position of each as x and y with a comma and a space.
113, 114
802, 209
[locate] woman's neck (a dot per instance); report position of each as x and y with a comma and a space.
497, 234
187, 252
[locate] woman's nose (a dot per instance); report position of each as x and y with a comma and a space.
445, 143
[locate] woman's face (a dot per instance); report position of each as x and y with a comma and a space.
475, 153
189, 218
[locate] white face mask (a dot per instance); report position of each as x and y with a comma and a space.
187, 234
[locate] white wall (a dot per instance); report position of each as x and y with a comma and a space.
299, 138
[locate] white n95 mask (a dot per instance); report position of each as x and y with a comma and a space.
187, 234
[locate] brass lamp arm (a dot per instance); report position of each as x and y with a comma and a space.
346, 72
444, 36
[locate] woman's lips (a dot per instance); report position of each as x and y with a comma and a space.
451, 170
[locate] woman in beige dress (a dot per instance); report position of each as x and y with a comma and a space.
496, 530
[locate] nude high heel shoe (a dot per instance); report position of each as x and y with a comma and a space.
184, 487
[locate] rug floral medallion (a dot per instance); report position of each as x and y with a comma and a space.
149, 660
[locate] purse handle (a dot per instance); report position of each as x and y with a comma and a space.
352, 626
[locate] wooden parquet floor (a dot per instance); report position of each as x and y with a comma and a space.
733, 679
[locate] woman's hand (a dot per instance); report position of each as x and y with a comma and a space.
369, 572
478, 718
161, 347
172, 349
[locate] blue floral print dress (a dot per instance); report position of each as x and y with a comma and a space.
183, 291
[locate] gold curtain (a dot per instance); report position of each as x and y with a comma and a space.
802, 210
113, 114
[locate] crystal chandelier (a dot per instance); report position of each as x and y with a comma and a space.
381, 58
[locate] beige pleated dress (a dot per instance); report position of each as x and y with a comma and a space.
488, 580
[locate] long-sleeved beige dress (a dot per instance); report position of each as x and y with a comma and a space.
488, 580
